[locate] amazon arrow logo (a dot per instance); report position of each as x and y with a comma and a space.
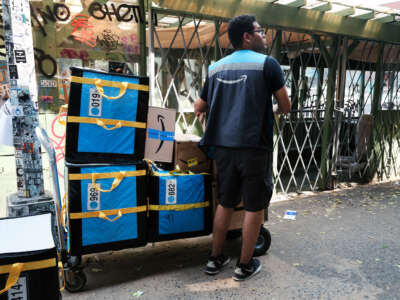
160, 119
242, 78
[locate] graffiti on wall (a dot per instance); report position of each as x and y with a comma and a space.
82, 30
57, 138
100, 11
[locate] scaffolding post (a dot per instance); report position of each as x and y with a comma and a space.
339, 107
152, 63
276, 53
331, 61
142, 39
23, 98
376, 101
362, 93
217, 50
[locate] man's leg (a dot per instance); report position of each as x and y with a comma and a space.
252, 164
250, 232
222, 219
228, 195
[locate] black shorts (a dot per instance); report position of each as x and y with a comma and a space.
241, 175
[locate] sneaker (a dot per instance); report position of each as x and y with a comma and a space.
243, 272
215, 264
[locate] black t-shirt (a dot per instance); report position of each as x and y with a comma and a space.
239, 92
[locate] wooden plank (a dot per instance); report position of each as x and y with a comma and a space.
383, 18
292, 3
341, 10
363, 14
320, 6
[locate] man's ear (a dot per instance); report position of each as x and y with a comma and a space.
246, 37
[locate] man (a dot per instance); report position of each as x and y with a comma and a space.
238, 97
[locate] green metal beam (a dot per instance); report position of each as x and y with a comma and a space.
376, 100
327, 125
276, 50
362, 93
286, 17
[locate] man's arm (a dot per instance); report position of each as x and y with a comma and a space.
200, 106
283, 106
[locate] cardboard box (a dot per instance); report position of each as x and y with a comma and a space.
188, 156
160, 134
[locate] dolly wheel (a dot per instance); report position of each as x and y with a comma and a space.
263, 242
74, 280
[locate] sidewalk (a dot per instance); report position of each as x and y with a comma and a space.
343, 245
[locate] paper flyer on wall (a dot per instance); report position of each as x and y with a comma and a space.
6, 137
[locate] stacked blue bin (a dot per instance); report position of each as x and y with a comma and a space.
180, 205
106, 174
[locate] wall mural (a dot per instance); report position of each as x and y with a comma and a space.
85, 32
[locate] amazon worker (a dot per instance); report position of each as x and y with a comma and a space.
237, 95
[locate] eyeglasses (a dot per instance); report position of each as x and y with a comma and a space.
259, 31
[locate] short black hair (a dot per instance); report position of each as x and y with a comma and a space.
239, 25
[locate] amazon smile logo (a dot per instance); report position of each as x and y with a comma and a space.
242, 78
160, 119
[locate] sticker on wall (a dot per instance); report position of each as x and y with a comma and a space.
13, 71
20, 56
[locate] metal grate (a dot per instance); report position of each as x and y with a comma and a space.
333, 87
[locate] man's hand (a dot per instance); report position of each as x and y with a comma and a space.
283, 106
200, 107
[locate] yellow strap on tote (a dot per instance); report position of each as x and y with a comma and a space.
106, 175
116, 182
109, 83
179, 207
122, 89
104, 216
118, 177
103, 122
15, 270
104, 213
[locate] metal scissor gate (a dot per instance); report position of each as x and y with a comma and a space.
344, 95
